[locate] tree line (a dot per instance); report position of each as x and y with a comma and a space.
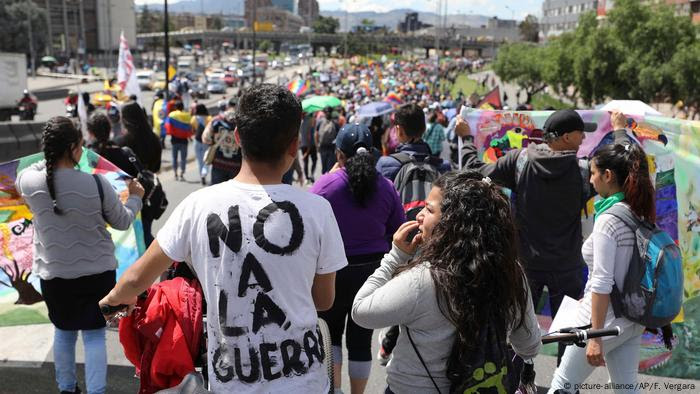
641, 52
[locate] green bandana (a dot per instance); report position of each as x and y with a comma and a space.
605, 203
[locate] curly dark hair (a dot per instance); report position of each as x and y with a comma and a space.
473, 257
268, 120
362, 175
59, 138
631, 169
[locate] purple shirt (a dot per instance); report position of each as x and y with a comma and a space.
368, 229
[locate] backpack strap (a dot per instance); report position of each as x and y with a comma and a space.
101, 192
133, 159
624, 213
584, 168
402, 157
421, 360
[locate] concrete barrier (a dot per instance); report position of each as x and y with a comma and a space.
18, 139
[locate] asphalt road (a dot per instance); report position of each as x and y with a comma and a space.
50, 108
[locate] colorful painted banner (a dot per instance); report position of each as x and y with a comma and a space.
298, 87
673, 149
20, 293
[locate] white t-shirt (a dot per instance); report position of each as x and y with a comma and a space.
255, 250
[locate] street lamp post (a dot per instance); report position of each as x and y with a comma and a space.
166, 47
255, 21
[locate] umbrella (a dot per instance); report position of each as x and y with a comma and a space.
451, 113
318, 103
630, 107
376, 108
48, 59
447, 104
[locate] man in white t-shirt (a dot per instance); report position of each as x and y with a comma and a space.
265, 253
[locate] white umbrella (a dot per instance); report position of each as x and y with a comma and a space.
630, 107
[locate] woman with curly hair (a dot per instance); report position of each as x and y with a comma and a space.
368, 210
466, 275
73, 252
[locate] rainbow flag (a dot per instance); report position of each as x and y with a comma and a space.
298, 87
20, 294
393, 98
177, 124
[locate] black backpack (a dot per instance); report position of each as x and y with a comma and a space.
414, 181
154, 200
487, 369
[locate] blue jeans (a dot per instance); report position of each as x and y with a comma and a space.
200, 149
621, 358
95, 359
182, 150
328, 158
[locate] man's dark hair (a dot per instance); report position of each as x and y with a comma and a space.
100, 127
412, 119
268, 120
178, 105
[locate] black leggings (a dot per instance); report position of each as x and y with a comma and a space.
314, 158
358, 340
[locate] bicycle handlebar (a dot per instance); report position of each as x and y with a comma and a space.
581, 335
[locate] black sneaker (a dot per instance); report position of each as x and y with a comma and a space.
204, 181
77, 391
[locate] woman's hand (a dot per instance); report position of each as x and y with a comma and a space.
136, 189
401, 237
594, 352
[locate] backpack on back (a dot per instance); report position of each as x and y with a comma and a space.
327, 133
414, 181
653, 290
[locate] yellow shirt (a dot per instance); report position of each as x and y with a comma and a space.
158, 115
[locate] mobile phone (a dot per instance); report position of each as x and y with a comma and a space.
412, 234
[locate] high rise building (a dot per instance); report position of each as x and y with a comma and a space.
287, 5
79, 26
559, 16
308, 10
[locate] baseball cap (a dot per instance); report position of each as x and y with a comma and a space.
352, 137
565, 121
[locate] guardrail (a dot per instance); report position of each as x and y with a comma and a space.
71, 76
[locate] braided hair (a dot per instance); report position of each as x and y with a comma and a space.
60, 137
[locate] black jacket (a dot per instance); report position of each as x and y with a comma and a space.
550, 193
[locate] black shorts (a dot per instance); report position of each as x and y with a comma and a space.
72, 303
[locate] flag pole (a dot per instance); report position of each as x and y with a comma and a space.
166, 49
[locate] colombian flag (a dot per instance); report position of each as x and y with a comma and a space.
178, 124
393, 98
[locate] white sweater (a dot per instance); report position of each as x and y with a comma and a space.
607, 252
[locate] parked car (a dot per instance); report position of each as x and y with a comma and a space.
276, 64
216, 85
247, 72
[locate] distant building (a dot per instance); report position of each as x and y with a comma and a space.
287, 5
411, 23
499, 34
308, 10
559, 16
281, 20
495, 23
88, 25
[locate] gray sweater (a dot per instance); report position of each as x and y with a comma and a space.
75, 243
409, 300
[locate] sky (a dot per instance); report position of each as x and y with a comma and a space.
504, 9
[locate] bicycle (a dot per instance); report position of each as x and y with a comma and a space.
568, 336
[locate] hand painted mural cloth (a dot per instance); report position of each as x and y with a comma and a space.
673, 151
20, 297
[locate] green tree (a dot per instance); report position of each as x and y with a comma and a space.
530, 29
217, 23
367, 22
521, 63
326, 25
14, 32
145, 21
686, 76
558, 63
264, 46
